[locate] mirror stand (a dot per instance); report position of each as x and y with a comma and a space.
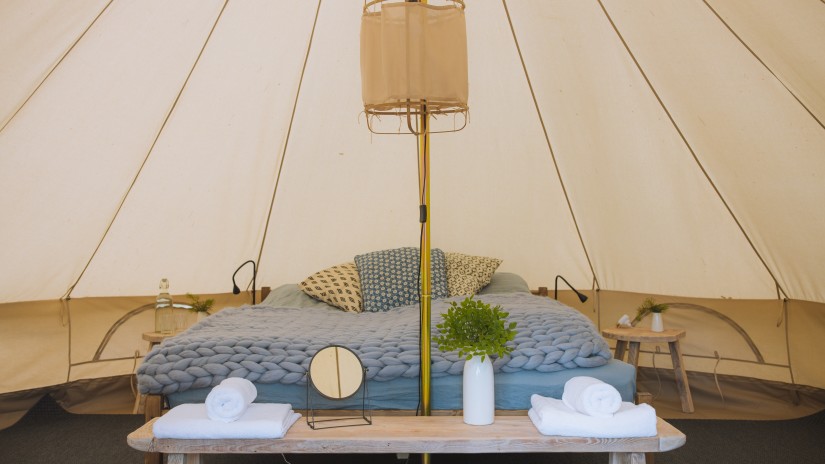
365, 418
339, 375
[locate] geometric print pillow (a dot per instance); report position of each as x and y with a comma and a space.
466, 274
390, 278
338, 286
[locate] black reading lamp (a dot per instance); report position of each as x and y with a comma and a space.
582, 296
236, 290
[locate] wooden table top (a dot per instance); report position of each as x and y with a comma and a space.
638, 334
155, 337
411, 434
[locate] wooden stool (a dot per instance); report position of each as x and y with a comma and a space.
635, 336
154, 338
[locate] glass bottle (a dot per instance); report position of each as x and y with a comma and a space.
164, 317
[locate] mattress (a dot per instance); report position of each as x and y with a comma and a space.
514, 385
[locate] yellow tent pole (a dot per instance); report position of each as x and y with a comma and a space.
426, 294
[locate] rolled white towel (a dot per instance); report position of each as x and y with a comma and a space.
591, 396
624, 321
228, 401
553, 417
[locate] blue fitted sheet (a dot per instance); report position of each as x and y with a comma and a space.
513, 390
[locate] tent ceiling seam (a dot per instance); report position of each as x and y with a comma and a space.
174, 105
49, 73
288, 134
549, 144
690, 148
744, 44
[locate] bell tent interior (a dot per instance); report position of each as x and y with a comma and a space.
673, 149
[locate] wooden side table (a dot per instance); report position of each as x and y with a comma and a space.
633, 337
154, 338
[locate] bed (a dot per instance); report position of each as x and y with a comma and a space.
271, 344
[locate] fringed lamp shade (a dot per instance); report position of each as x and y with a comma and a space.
414, 59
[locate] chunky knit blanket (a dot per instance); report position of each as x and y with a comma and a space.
275, 345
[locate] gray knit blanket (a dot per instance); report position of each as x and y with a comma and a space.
275, 345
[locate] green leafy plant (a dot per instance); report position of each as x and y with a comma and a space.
647, 307
199, 306
473, 328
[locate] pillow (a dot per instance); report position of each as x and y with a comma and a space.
466, 274
292, 296
338, 286
390, 278
505, 282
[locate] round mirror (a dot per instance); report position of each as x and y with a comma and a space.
336, 372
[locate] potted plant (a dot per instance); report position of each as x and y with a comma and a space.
649, 306
477, 331
200, 308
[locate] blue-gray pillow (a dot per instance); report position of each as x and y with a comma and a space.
390, 278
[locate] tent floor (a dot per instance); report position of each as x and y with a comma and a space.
741, 398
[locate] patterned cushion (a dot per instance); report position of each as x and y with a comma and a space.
338, 286
390, 278
466, 274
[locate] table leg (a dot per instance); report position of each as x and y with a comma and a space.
621, 346
681, 376
152, 458
180, 458
633, 354
626, 458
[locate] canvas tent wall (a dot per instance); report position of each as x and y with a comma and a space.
671, 148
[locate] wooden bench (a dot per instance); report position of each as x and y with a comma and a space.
410, 434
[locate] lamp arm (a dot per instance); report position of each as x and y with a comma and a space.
235, 289
582, 296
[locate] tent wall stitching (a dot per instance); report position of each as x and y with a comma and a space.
787, 338
692, 152
66, 320
765, 64
174, 105
288, 133
69, 50
738, 328
550, 145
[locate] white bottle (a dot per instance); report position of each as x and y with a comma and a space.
164, 317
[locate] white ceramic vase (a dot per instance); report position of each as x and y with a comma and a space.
656, 323
479, 391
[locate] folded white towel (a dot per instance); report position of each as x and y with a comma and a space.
261, 420
228, 401
552, 417
591, 396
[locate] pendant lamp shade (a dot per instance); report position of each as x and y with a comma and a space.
414, 56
